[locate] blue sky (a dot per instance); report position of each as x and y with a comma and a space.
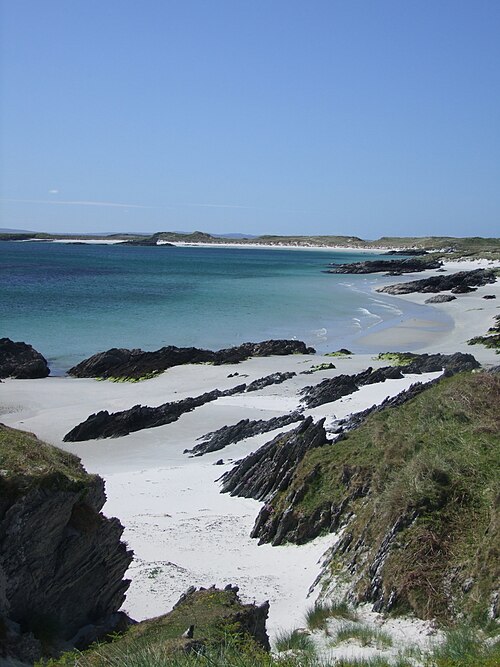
370, 118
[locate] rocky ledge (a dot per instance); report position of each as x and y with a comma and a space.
334, 388
104, 424
268, 470
21, 361
392, 266
61, 561
246, 428
124, 363
458, 283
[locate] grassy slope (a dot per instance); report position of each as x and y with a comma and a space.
437, 456
26, 461
214, 613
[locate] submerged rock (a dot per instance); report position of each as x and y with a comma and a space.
21, 361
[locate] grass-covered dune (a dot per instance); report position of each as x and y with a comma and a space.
415, 489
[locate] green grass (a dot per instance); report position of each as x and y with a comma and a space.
364, 635
339, 353
295, 640
491, 339
465, 646
26, 462
433, 464
318, 615
397, 358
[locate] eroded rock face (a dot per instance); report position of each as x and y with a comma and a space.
268, 470
120, 362
61, 561
21, 361
457, 282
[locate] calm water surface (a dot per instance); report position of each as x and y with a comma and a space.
70, 301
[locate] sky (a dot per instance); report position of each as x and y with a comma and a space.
355, 117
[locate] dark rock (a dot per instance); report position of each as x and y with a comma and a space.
451, 363
120, 362
268, 470
274, 378
61, 561
489, 296
463, 289
394, 266
451, 281
440, 298
219, 462
245, 428
21, 361
112, 425
332, 389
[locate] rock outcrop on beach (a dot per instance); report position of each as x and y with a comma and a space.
61, 561
274, 378
21, 361
263, 473
334, 388
104, 424
392, 266
246, 428
124, 363
457, 282
411, 487
440, 298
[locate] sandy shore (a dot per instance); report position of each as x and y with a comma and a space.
183, 531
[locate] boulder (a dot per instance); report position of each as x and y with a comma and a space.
21, 361
440, 298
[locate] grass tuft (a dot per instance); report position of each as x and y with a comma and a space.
364, 635
295, 640
318, 615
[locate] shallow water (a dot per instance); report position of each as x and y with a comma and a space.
70, 301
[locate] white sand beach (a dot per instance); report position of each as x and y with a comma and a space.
182, 529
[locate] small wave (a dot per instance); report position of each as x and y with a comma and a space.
368, 313
321, 333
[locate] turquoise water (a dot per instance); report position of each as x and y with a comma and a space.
70, 301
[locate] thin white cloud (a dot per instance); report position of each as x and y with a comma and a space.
53, 192
75, 203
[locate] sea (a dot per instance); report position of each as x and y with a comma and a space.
71, 300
